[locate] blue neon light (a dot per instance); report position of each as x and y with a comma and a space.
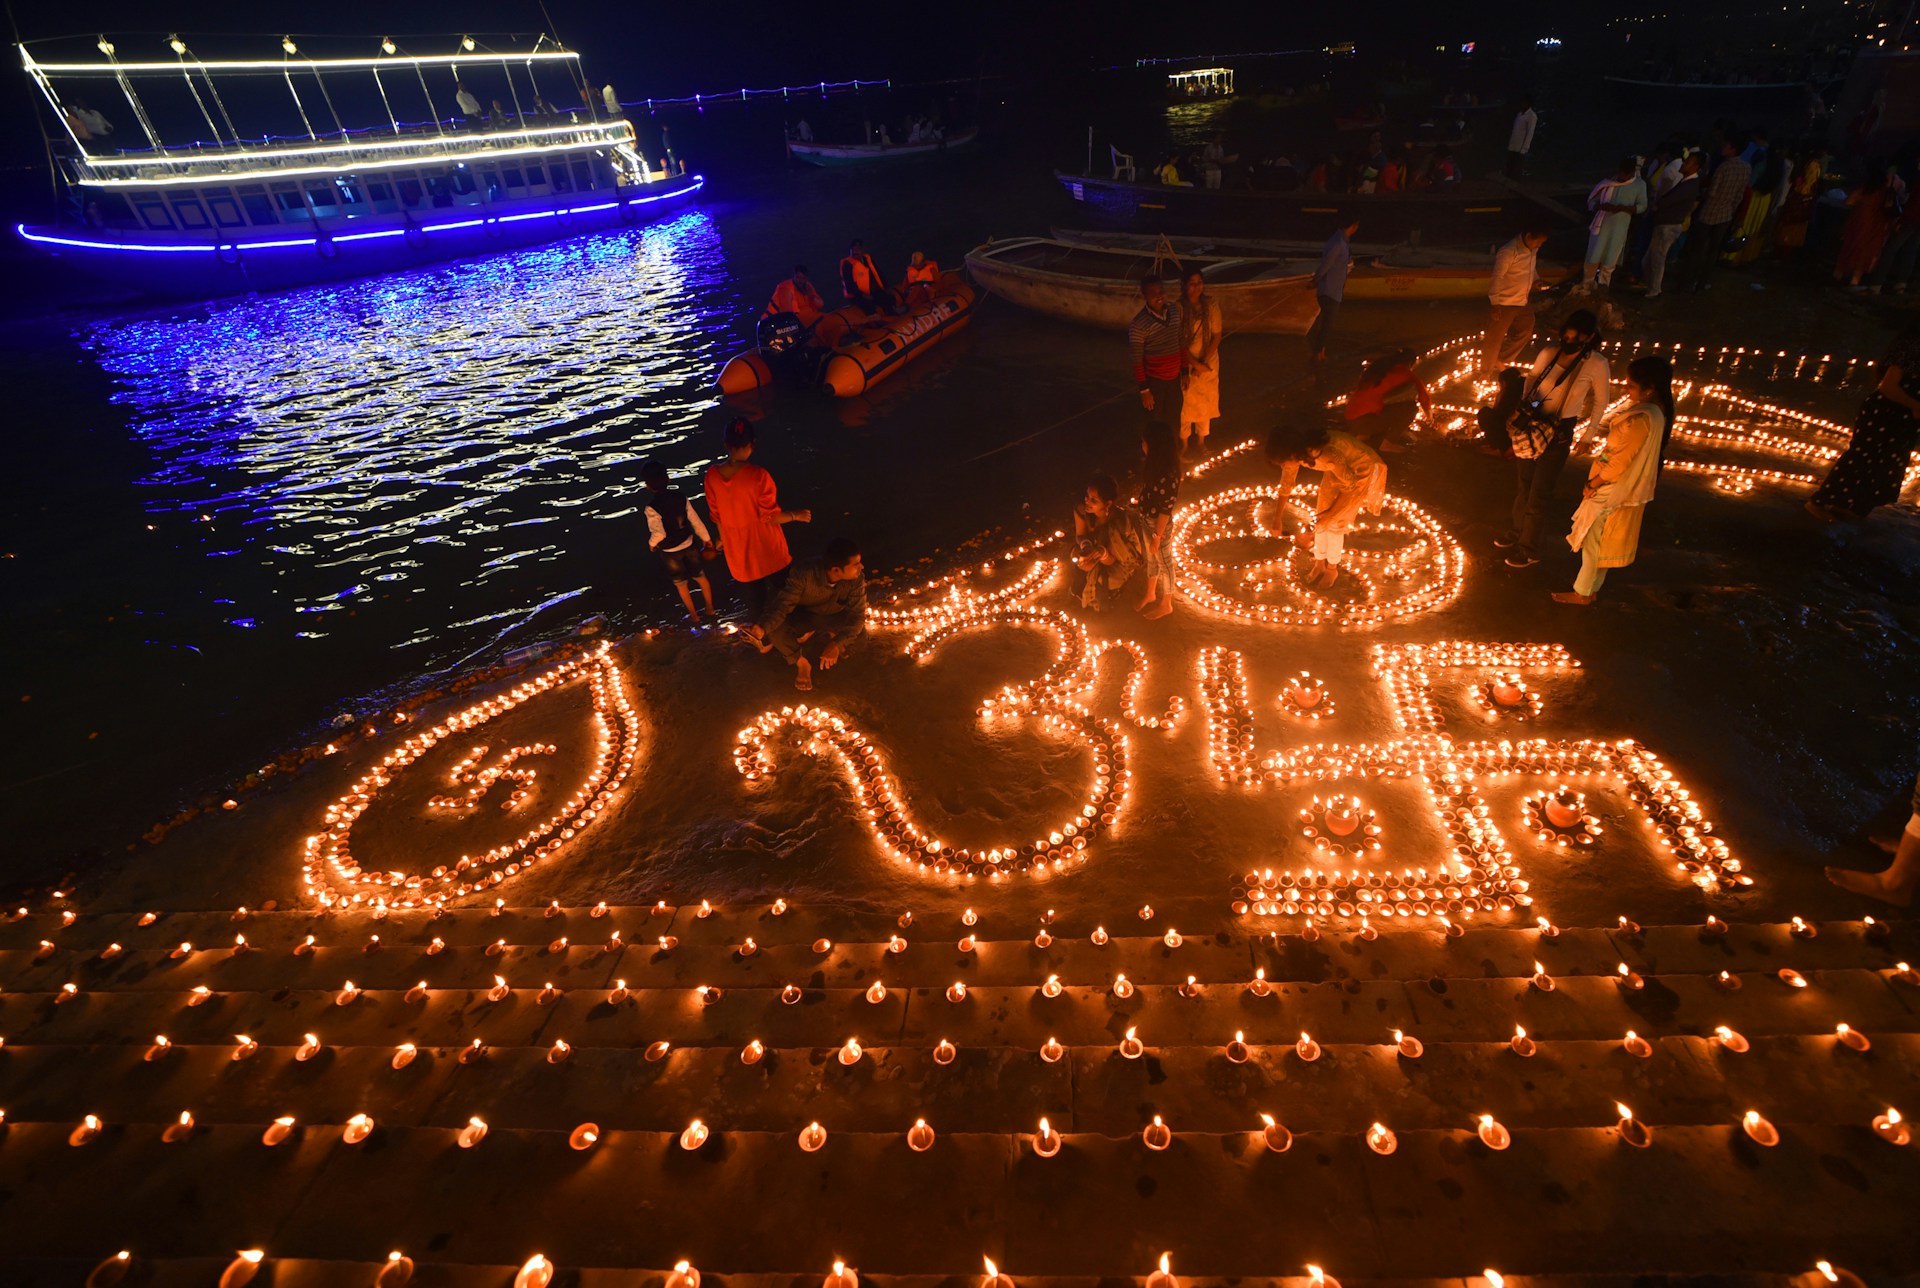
699, 182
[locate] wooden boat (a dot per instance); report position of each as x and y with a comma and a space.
1473, 213
849, 350
839, 154
1380, 271
1101, 287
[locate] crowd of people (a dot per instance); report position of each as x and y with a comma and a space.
1415, 165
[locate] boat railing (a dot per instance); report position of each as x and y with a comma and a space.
214, 162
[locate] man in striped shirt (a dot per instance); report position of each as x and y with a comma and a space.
1158, 352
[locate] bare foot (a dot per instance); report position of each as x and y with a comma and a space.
1161, 607
1330, 573
1872, 884
1573, 597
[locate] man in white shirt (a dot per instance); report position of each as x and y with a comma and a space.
1520, 141
1569, 383
611, 99
1516, 277
463, 99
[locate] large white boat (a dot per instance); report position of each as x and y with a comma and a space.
348, 165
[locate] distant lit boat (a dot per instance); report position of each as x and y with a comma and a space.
263, 212
1201, 83
836, 154
1101, 287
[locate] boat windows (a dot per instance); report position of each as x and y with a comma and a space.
226, 212
154, 213
381, 194
351, 193
292, 206
562, 182
257, 204
461, 181
583, 174
321, 194
495, 192
190, 212
411, 193
513, 177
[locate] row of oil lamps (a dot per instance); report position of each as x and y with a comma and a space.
538, 1272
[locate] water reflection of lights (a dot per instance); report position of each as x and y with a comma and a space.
437, 417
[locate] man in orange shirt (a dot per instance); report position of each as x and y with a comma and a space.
860, 279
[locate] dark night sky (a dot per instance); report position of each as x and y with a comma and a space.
668, 49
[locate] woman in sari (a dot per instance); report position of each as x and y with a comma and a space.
1803, 189
1873, 468
1606, 526
1870, 213
1200, 384
1353, 478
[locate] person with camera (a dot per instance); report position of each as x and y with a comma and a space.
1113, 543
1568, 384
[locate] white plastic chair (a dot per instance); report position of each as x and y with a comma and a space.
1122, 163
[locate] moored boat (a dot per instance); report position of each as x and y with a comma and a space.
245, 213
1101, 286
1473, 213
1380, 272
838, 154
848, 351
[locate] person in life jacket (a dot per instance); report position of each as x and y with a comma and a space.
923, 275
860, 279
797, 295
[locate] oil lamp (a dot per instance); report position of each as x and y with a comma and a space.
1727, 980
241, 1270
358, 1128
1130, 1045
418, 993
694, 1136
548, 994
473, 1053
1190, 987
1306, 1048
1052, 987
1492, 1134
88, 1129
812, 1137
752, 1052
1792, 978
1157, 1135
1892, 1128
1542, 980
920, 1136
585, 1136
1099, 936
499, 991
1636, 1045
1802, 930
1380, 1140
1051, 1050
1408, 1045
1237, 1049
684, 1276
944, 1051
748, 948
1630, 979
850, 1051
111, 951
244, 1047
994, 1278
559, 1051
619, 993
109, 1272
790, 994
403, 1055
1172, 938
1044, 939
1520, 1044
957, 991
309, 1047
895, 944
1146, 912
1762, 1131
1046, 1141
1278, 1138
396, 1273
537, 1273
348, 992
1727, 1038
277, 1130
161, 1045
842, 1277
1320, 1278
1164, 1276
472, 1134
1632, 1130
1122, 986
179, 1129
1259, 987
657, 1051
1851, 1038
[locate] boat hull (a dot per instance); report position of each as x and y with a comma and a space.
1481, 216
832, 154
865, 348
1284, 305
157, 265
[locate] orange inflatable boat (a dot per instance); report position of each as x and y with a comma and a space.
849, 350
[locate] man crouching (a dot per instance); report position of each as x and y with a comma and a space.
824, 597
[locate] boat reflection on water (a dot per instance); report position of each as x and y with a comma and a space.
429, 433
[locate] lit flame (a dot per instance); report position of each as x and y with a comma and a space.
1625, 1113
1319, 1275
1826, 1269
993, 1271
1495, 1278
1751, 1118
1166, 1263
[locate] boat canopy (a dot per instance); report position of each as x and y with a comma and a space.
359, 105
1204, 82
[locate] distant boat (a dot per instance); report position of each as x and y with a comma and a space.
1479, 213
1380, 272
1101, 287
1705, 93
252, 213
837, 154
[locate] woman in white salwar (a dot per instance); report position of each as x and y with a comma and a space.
1606, 527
